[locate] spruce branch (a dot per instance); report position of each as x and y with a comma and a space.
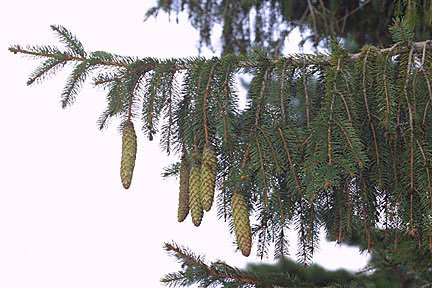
262, 168
307, 100
74, 45
186, 64
369, 115
135, 82
205, 96
338, 140
192, 261
283, 274
272, 149
74, 82
290, 160
411, 145
50, 66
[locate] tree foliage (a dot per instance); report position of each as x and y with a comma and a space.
337, 141
358, 22
286, 273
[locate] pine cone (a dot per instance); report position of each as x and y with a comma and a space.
208, 176
242, 227
195, 194
183, 205
129, 150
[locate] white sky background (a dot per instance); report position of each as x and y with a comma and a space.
65, 220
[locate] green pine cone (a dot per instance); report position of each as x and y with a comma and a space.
195, 194
208, 176
129, 150
242, 227
183, 205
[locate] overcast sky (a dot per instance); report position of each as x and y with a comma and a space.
65, 220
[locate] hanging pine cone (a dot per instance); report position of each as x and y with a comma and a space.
183, 205
195, 194
242, 227
129, 150
208, 176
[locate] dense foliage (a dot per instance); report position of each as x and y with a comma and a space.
394, 272
341, 142
358, 22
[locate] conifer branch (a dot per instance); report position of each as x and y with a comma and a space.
135, 82
205, 95
329, 133
369, 115
225, 120
290, 161
47, 67
426, 165
314, 135
261, 97
246, 156
170, 119
74, 82
272, 149
350, 145
263, 173
306, 94
411, 145
70, 40
282, 92
428, 83
296, 59
189, 259
225, 110
386, 95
